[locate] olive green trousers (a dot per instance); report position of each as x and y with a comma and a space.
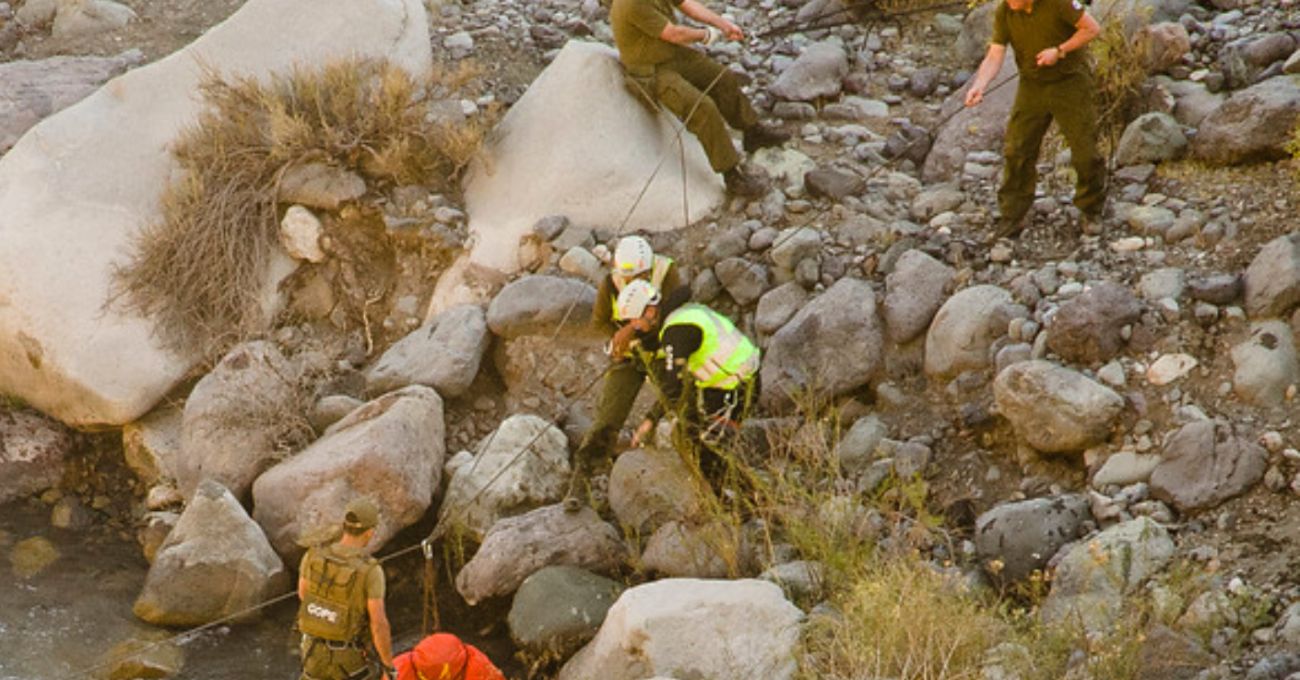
1072, 104
678, 84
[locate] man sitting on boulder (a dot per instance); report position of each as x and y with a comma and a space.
704, 363
702, 93
634, 260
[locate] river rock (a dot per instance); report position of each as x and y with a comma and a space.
216, 562
516, 547
1205, 463
1022, 536
976, 32
1093, 577
685, 549
1266, 364
150, 656
544, 160
744, 281
1164, 43
670, 628
1152, 138
236, 419
390, 450
856, 450
505, 479
777, 306
152, 445
1088, 328
1125, 468
300, 234
652, 486
914, 291
558, 609
1273, 279
444, 354
63, 349
833, 183
87, 18
817, 73
32, 452
319, 185
962, 331
1193, 101
1053, 408
970, 130
31, 556
541, 305
33, 90
832, 346
794, 245
1252, 125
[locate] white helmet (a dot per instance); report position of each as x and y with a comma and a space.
634, 298
632, 256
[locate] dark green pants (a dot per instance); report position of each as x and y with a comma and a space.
321, 662
678, 84
1071, 103
617, 394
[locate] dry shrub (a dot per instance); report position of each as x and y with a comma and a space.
902, 620
1119, 73
199, 270
1293, 147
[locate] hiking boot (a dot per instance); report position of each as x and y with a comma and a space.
1007, 228
744, 183
763, 135
1090, 223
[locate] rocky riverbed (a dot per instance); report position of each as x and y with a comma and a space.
1072, 401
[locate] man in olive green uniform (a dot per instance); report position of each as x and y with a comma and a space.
698, 90
1049, 39
628, 349
341, 588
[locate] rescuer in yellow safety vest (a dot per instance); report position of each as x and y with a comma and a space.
702, 359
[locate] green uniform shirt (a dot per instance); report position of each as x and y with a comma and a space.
637, 25
375, 585
1048, 24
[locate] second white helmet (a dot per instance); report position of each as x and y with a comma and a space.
634, 298
632, 256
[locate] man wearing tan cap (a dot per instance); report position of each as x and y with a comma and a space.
342, 590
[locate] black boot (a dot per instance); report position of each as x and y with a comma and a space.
744, 183
763, 135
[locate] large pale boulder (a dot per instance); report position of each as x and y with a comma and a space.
1054, 408
913, 293
817, 73
1254, 124
32, 90
579, 144
831, 346
443, 354
962, 331
979, 128
79, 186
235, 419
516, 547
689, 628
541, 305
32, 451
390, 450
1205, 463
523, 465
215, 562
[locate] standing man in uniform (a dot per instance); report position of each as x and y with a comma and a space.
1056, 82
629, 350
702, 359
702, 93
345, 631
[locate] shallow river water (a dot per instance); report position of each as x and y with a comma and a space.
60, 622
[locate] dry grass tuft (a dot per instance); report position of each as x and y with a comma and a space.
199, 270
1119, 74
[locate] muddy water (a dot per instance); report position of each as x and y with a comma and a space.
60, 622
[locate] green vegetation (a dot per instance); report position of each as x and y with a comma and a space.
1119, 72
200, 269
